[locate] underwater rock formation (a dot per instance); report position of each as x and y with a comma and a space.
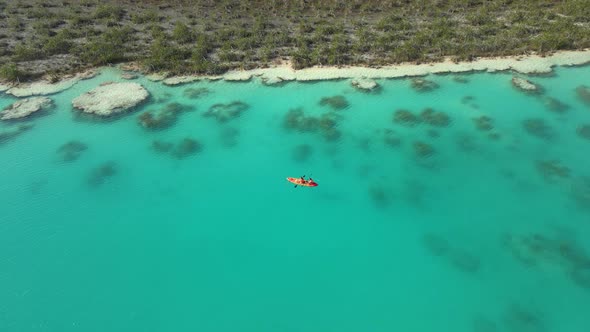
414, 192
325, 125
195, 93
184, 148
295, 119
538, 249
390, 138
466, 143
467, 99
25, 107
161, 146
583, 93
483, 324
437, 119
580, 275
111, 98
335, 102
525, 85
226, 112
423, 150
555, 105
465, 261
331, 135
460, 79
10, 134
128, 76
71, 151
423, 85
551, 169
379, 196
483, 123
433, 133
229, 137
517, 318
364, 84
436, 244
580, 192
494, 136
100, 174
584, 131
163, 97
163, 118
406, 118
460, 259
537, 127
302, 152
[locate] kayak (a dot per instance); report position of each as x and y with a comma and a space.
304, 183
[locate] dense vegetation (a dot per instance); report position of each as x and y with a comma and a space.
208, 36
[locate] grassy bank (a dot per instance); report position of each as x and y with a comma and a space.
210, 37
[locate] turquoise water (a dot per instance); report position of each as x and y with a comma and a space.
220, 241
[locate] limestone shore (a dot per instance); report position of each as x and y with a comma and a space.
533, 64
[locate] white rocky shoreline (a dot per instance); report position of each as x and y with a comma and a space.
361, 77
533, 64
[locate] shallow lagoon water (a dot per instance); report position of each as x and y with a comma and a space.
220, 241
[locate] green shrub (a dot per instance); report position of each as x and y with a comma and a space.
182, 33
157, 31
165, 56
109, 12
145, 17
10, 72
24, 52
110, 47
58, 44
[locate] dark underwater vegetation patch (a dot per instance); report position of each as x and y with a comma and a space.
182, 149
555, 105
435, 244
163, 118
302, 152
195, 93
460, 79
521, 319
424, 85
100, 174
484, 324
186, 147
391, 138
379, 195
584, 131
552, 169
406, 118
324, 125
229, 137
71, 150
226, 112
538, 128
433, 118
335, 102
465, 261
583, 93
483, 123
423, 149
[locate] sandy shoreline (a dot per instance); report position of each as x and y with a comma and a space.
532, 64
526, 65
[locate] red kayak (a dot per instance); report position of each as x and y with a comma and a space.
302, 182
